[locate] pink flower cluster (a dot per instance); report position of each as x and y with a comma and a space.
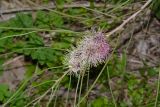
91, 51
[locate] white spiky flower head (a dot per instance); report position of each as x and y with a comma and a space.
75, 61
95, 48
91, 51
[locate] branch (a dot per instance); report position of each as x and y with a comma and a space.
127, 20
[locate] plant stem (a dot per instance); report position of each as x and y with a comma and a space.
39, 29
110, 88
158, 86
75, 99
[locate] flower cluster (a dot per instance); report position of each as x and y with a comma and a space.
91, 51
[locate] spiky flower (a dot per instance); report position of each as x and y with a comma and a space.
95, 49
91, 51
75, 61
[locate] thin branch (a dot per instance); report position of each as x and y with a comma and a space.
13, 60
129, 19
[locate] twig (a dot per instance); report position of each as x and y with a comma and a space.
13, 60
127, 20
139, 26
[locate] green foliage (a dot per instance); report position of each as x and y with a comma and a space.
19, 101
136, 87
156, 8
45, 1
4, 92
24, 20
32, 44
60, 3
42, 20
56, 20
100, 102
21, 21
